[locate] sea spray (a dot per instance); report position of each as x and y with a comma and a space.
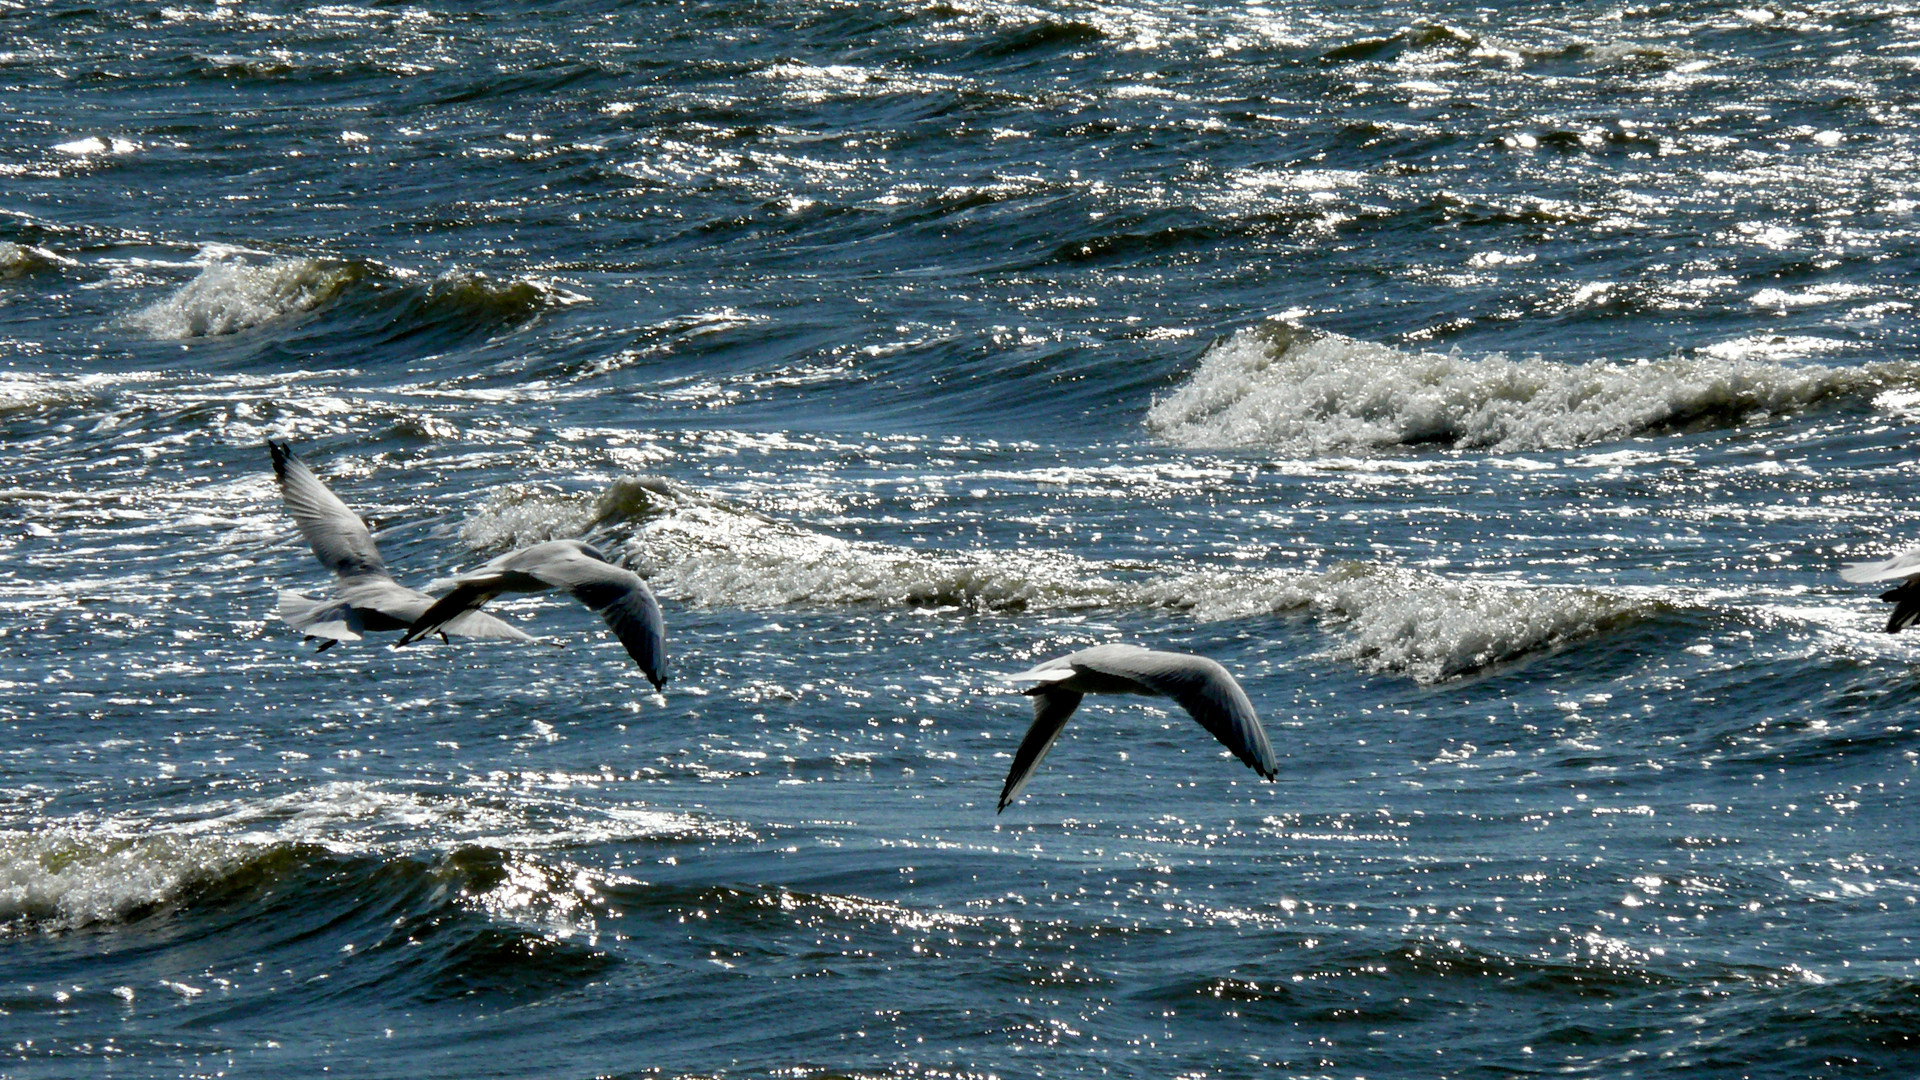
1301, 391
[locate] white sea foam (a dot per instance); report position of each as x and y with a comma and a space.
64, 878
230, 295
18, 260
701, 551
705, 551
26, 393
1416, 623
76, 873
1304, 392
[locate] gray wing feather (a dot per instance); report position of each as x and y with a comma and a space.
339, 538
332, 618
467, 595
479, 624
1211, 695
622, 599
1905, 564
1051, 708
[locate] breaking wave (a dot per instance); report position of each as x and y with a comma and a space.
1426, 626
80, 873
232, 294
1301, 391
62, 880
22, 393
19, 260
1395, 620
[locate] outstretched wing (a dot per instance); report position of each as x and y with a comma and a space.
1905, 564
457, 606
1051, 708
1201, 686
339, 538
621, 598
332, 619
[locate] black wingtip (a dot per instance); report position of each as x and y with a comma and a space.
1906, 601
281, 454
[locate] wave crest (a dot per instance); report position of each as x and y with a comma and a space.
20, 260
1301, 391
63, 880
231, 295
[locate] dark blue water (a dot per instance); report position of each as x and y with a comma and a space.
1495, 393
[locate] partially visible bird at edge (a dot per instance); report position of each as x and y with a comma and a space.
1905, 597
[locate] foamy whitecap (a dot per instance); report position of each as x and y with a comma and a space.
1304, 392
231, 295
28, 393
19, 260
63, 879
702, 551
1409, 622
721, 557
518, 516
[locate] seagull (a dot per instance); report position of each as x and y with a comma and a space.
621, 598
365, 596
1199, 685
1904, 596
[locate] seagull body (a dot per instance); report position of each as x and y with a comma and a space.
365, 597
617, 594
1905, 597
1199, 685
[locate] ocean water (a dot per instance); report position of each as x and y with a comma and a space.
1496, 392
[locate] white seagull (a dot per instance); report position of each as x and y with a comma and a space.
1195, 683
621, 598
1905, 596
365, 596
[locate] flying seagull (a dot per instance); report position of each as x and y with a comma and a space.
1195, 683
621, 598
1905, 596
365, 596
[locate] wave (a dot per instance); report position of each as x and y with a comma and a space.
233, 293
61, 879
71, 874
1426, 626
1300, 391
230, 295
24, 393
21, 260
425, 926
706, 552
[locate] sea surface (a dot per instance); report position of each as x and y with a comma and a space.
1495, 389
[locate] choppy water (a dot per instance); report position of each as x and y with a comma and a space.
1496, 393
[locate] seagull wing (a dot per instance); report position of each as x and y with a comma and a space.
1905, 564
1201, 686
332, 619
621, 598
458, 605
339, 538
1051, 708
479, 624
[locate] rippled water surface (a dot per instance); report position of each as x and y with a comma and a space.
1495, 392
